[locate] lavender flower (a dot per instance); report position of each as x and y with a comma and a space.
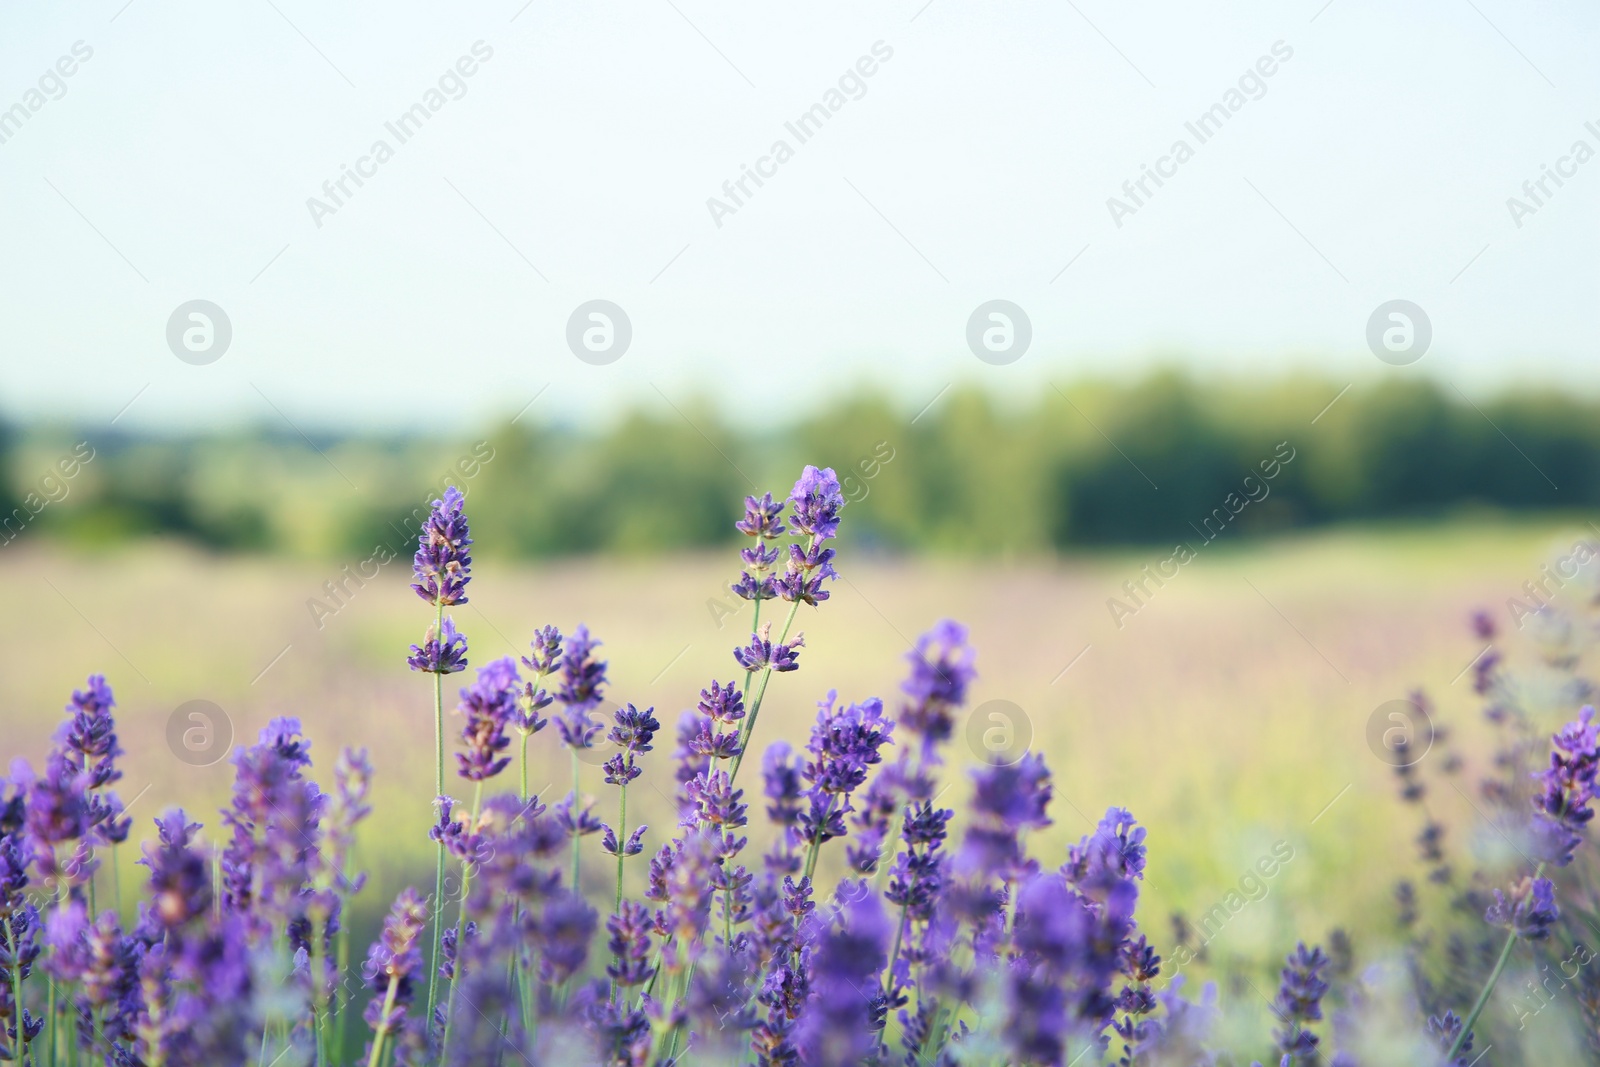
583, 678
1566, 789
442, 565
632, 732
489, 706
761, 653
837, 1025
816, 501
89, 739
1300, 1002
442, 652
1114, 852
180, 877
941, 670
564, 932
629, 930
1531, 911
761, 521
391, 967
543, 661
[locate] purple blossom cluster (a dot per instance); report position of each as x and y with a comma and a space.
875, 926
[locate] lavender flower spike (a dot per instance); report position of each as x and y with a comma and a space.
442, 652
1300, 1002
442, 565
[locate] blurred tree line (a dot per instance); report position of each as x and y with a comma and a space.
1096, 464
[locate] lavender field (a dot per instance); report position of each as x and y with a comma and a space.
1230, 709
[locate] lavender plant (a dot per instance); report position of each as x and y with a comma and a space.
876, 927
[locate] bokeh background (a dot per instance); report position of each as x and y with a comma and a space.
1208, 361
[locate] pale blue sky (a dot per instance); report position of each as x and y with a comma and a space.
577, 165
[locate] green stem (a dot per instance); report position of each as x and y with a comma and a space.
899, 932
319, 991
622, 839
16, 989
116, 882
438, 791
461, 923
1488, 987
755, 704
1483, 997
381, 1031
524, 762
343, 1009
575, 802
816, 842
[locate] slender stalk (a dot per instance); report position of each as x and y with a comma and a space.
575, 803
319, 990
438, 791
16, 989
622, 839
894, 956
755, 704
62, 895
524, 762
1483, 997
1488, 987
461, 924
343, 1010
116, 882
381, 1031
816, 842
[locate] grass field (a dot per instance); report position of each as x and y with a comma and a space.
1229, 713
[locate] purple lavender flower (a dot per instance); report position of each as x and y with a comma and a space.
816, 501
543, 661
564, 932
1300, 1001
489, 706
836, 1027
575, 817
1566, 789
1444, 1029
180, 877
1531, 911
633, 732
392, 965
58, 804
1114, 852
941, 670
762, 518
629, 931
442, 565
754, 582
761, 521
441, 652
845, 742
583, 678
761, 653
89, 738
